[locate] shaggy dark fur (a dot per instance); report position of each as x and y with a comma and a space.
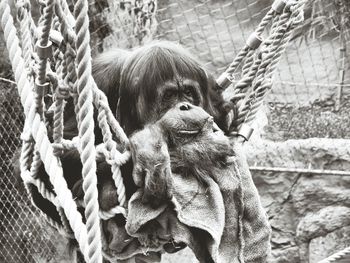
143, 86
183, 141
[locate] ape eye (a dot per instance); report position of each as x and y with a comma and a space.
188, 91
168, 94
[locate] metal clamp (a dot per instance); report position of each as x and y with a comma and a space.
56, 37
225, 80
42, 89
44, 51
254, 41
278, 6
245, 131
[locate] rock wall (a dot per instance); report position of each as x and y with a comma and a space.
309, 214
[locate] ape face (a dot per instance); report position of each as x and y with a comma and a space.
178, 90
156, 78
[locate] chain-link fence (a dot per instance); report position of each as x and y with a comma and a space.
310, 97
23, 236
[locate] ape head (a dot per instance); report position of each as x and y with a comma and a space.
156, 77
185, 141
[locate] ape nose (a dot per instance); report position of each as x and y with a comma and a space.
184, 106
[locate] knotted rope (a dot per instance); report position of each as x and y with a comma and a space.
259, 59
72, 77
70, 56
38, 129
257, 70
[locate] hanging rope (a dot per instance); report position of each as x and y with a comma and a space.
37, 148
260, 58
38, 129
63, 40
86, 130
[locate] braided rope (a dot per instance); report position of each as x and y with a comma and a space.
248, 62
115, 126
44, 38
244, 51
38, 129
253, 101
66, 144
36, 163
86, 130
63, 14
27, 48
337, 256
245, 82
111, 148
279, 40
105, 215
265, 21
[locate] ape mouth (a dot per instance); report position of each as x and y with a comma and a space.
189, 132
195, 131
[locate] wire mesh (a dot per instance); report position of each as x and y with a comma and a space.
309, 99
23, 236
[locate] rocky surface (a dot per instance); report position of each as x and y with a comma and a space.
309, 214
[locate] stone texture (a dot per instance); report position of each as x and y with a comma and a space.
323, 246
306, 211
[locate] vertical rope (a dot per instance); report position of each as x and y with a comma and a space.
38, 129
267, 56
27, 44
111, 148
86, 130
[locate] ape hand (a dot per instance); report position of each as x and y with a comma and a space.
151, 165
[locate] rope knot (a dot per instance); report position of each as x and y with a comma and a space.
105, 215
62, 92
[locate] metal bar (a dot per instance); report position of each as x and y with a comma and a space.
300, 170
342, 76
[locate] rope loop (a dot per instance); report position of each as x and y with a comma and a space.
22, 7
118, 210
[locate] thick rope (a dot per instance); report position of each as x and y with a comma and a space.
23, 8
28, 177
44, 38
73, 74
86, 130
244, 51
268, 53
38, 129
111, 148
337, 256
271, 52
115, 126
